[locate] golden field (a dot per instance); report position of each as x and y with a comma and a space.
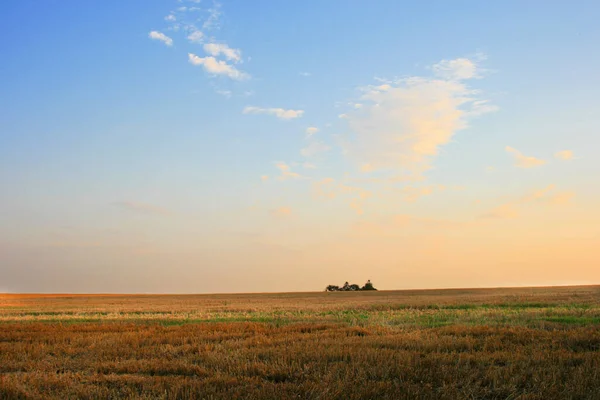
518, 343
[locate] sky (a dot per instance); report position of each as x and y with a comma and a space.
196, 146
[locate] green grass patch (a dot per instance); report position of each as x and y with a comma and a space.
573, 320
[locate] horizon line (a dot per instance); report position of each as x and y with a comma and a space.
298, 292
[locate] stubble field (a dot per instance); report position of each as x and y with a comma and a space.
525, 343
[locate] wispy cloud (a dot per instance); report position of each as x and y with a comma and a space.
278, 112
328, 188
286, 172
314, 147
388, 225
281, 212
413, 193
563, 198
457, 69
305, 74
311, 130
142, 207
564, 155
217, 67
155, 35
196, 36
216, 49
504, 211
523, 161
544, 196
214, 16
224, 93
197, 26
402, 124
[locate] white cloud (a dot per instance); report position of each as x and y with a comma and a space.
457, 69
225, 93
216, 49
311, 130
523, 161
278, 112
305, 74
196, 36
155, 35
564, 155
308, 165
214, 66
402, 124
315, 147
214, 15
170, 18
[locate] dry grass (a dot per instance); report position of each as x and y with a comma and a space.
541, 343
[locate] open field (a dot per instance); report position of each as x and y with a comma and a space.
525, 343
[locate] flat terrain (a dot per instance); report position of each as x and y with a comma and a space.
523, 343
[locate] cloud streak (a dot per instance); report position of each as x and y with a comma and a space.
196, 36
161, 37
280, 113
545, 196
314, 147
215, 49
281, 212
286, 172
523, 161
217, 67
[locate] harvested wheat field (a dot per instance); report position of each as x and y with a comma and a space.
522, 343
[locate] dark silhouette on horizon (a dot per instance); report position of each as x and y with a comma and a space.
350, 287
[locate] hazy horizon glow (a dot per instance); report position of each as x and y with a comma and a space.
203, 147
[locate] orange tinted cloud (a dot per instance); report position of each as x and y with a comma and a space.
564, 155
281, 212
523, 161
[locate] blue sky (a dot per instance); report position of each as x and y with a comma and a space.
147, 146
